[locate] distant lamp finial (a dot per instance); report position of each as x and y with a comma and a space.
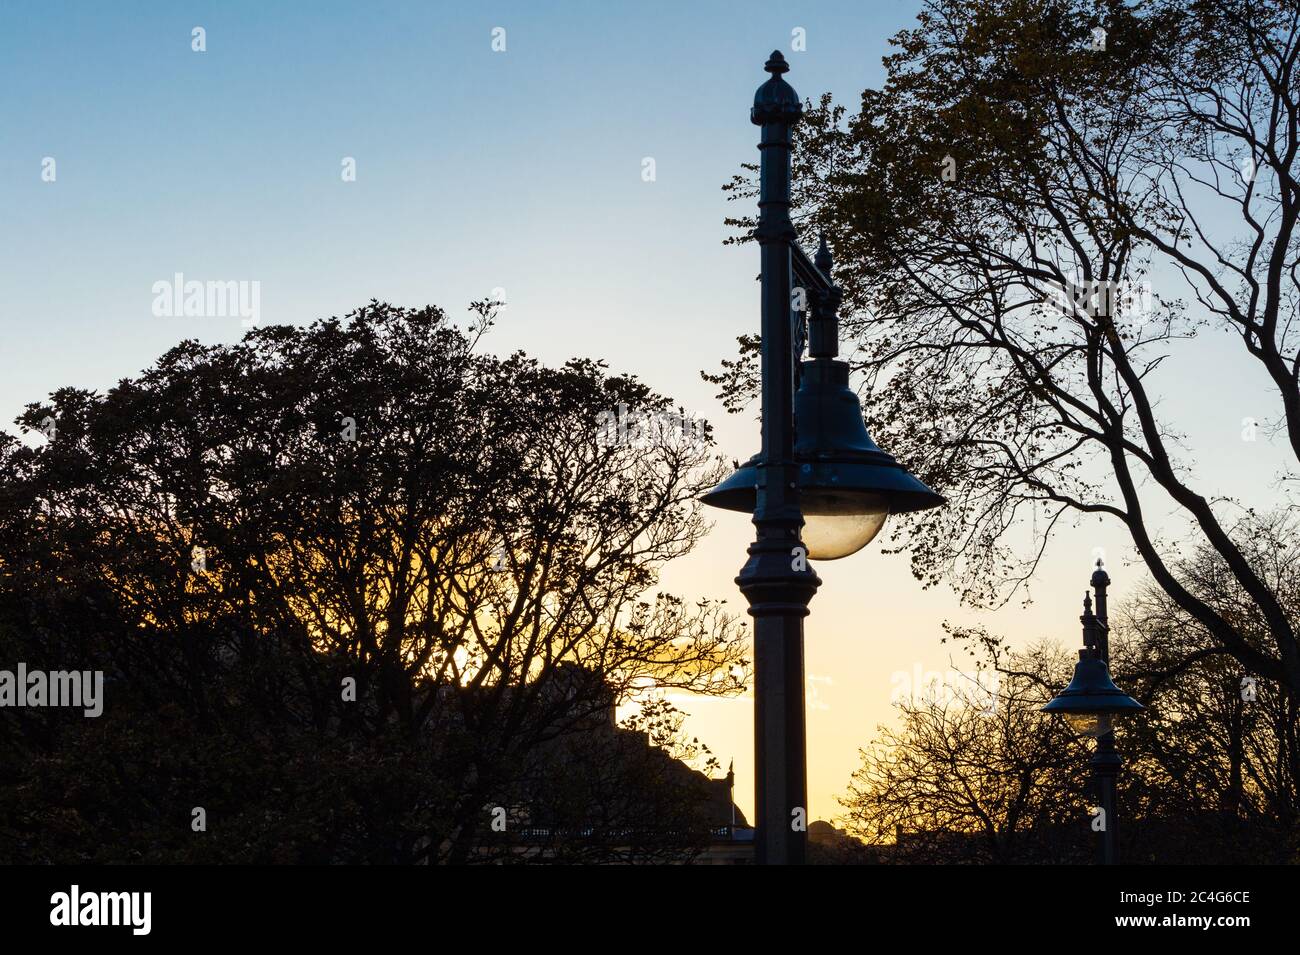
1100, 579
823, 259
776, 63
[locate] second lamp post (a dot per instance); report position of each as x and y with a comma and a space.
1089, 704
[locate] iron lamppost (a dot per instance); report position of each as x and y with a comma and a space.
817, 471
1090, 704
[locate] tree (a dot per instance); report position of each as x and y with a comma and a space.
1208, 770
966, 781
1039, 208
630, 794
1221, 740
347, 577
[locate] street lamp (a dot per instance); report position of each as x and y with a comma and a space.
1091, 700
816, 469
1090, 705
847, 486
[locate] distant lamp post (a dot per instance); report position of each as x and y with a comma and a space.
817, 469
1090, 705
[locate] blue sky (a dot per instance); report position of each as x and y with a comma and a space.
476, 170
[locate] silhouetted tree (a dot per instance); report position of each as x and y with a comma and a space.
996, 208
1209, 767
1218, 739
975, 774
343, 580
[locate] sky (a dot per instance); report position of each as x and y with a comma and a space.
515, 172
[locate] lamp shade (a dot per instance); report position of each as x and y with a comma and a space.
1091, 699
847, 484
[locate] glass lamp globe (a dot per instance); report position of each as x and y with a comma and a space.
838, 524
1089, 724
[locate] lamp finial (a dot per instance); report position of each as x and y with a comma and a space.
823, 259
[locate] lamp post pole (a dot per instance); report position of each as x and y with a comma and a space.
1090, 704
776, 580
1106, 761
